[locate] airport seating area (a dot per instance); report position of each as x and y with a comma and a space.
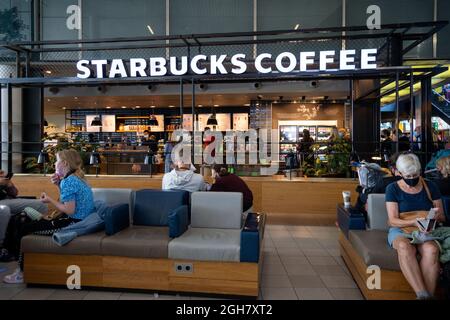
159, 240
362, 246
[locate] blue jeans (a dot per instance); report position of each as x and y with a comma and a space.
393, 234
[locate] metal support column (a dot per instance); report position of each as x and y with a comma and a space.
10, 128
426, 127
397, 105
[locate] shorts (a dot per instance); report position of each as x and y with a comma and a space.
393, 234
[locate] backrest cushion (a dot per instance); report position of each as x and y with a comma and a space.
222, 210
115, 196
152, 207
377, 217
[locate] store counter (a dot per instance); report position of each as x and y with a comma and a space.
305, 201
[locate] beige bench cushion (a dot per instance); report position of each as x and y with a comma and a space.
207, 244
373, 248
89, 244
139, 242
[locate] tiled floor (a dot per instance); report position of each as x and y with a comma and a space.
300, 263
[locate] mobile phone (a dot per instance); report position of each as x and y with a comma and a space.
9, 175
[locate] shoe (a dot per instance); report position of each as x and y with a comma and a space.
16, 277
5, 256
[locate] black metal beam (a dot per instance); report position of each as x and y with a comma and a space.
431, 24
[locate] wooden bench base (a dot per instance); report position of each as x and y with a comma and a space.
393, 284
227, 278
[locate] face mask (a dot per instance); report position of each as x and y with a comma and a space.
412, 182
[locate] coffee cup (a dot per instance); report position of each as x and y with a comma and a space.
347, 199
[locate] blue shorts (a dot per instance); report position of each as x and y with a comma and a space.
393, 234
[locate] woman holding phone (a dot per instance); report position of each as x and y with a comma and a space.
404, 198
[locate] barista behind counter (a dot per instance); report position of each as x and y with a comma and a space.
150, 141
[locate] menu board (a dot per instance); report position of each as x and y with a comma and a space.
90, 128
160, 126
108, 123
223, 122
240, 121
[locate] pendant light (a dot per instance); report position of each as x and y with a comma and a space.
43, 158
212, 121
96, 122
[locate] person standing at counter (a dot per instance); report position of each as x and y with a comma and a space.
150, 141
304, 147
228, 182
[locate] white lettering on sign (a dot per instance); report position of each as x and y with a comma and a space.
258, 62
285, 62
325, 58
305, 59
292, 62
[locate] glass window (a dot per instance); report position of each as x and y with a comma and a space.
54, 20
398, 11
443, 44
131, 18
299, 14
116, 19
15, 20
211, 16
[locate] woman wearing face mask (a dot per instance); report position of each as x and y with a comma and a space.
413, 193
76, 203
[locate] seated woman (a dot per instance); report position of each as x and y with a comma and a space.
225, 181
443, 166
182, 177
76, 203
413, 193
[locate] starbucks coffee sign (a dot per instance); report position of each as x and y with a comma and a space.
224, 64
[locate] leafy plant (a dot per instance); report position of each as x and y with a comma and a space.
63, 142
11, 25
337, 156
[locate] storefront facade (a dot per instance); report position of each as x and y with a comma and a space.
70, 63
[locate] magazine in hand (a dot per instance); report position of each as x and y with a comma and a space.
429, 223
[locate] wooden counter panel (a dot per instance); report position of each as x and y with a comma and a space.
298, 201
304, 198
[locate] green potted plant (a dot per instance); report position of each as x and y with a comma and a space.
63, 141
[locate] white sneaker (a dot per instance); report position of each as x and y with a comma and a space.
15, 277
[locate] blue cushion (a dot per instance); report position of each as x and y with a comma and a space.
152, 207
350, 220
117, 218
178, 221
251, 237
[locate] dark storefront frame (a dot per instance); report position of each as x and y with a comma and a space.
28, 63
